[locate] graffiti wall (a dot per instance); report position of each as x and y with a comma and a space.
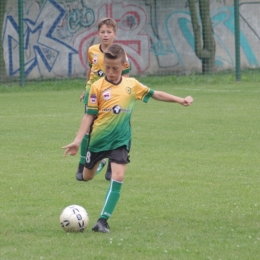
158, 38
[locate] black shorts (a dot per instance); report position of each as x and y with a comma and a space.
119, 155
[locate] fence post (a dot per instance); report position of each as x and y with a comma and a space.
21, 42
237, 39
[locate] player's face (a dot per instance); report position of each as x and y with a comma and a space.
106, 35
113, 69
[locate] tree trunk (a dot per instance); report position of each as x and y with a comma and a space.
206, 52
3, 76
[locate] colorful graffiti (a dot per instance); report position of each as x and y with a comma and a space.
178, 47
130, 26
42, 48
58, 34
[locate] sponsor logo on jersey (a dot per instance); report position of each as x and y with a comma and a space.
116, 109
106, 95
93, 98
100, 73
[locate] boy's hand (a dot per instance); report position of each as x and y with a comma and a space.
187, 101
72, 149
82, 96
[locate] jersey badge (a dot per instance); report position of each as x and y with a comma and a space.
106, 95
128, 90
93, 98
95, 60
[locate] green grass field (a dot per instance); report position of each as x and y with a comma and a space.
191, 190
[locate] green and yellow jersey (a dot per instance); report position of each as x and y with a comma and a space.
113, 105
96, 64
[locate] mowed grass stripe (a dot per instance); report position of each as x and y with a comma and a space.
191, 190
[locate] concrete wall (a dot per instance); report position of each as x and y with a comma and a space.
156, 34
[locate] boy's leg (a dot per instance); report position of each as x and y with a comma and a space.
88, 174
84, 143
109, 171
82, 158
112, 197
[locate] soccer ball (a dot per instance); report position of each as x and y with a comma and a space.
74, 218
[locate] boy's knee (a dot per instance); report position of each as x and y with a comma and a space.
87, 175
87, 178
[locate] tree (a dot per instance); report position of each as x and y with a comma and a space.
3, 75
206, 52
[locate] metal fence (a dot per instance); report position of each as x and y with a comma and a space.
48, 39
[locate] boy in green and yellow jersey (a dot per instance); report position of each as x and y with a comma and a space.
110, 105
95, 56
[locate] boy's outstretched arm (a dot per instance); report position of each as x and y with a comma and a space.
84, 128
163, 96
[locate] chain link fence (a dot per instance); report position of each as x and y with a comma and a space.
48, 39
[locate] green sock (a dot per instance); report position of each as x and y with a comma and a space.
83, 149
111, 199
100, 167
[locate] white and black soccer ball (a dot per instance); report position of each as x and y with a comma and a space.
74, 218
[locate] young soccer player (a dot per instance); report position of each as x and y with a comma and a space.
107, 33
112, 100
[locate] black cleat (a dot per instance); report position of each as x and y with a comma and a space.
101, 226
79, 173
108, 172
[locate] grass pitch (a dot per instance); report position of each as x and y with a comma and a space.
191, 190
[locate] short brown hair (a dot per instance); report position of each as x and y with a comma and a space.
107, 21
114, 52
